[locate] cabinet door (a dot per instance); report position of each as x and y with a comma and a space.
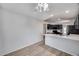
63, 44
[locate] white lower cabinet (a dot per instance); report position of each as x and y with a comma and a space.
63, 44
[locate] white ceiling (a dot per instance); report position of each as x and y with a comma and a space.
58, 10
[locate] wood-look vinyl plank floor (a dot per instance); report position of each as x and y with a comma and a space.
38, 50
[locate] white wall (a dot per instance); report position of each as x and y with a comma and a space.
1, 34
18, 31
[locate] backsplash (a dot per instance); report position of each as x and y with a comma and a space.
73, 30
59, 29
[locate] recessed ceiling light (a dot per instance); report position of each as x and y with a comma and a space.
67, 11
65, 21
51, 15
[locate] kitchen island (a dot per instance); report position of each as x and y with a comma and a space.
68, 44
